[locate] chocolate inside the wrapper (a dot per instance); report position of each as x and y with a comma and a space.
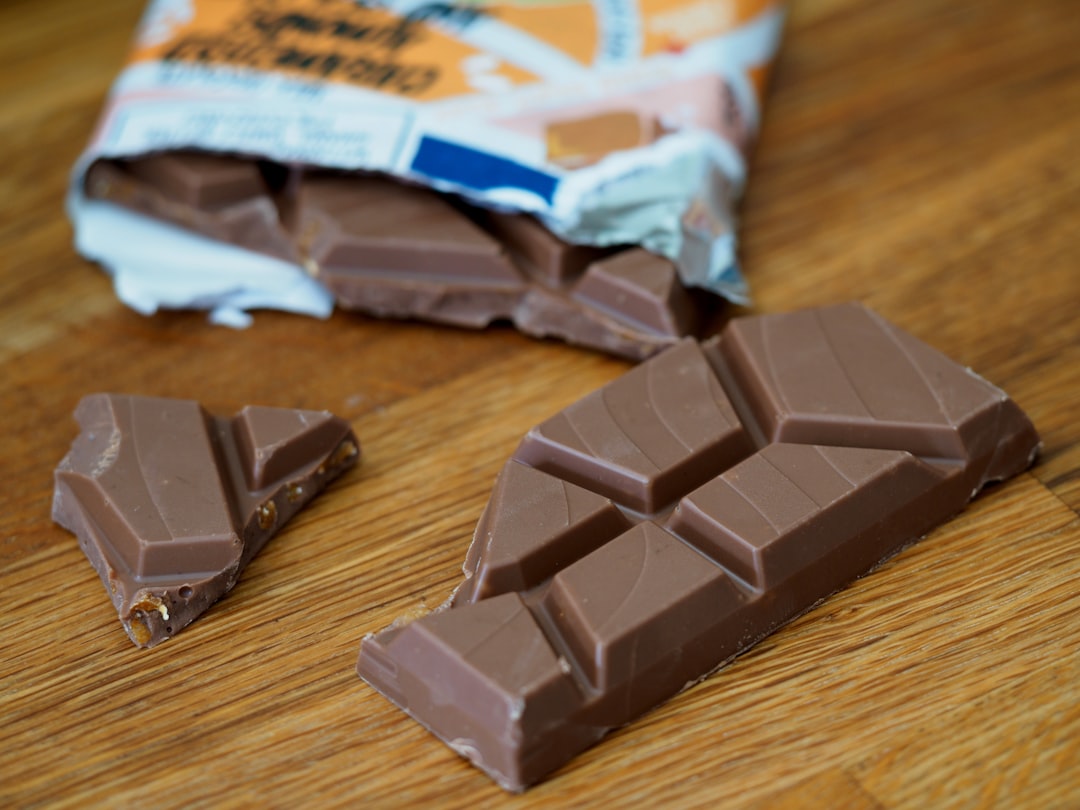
390, 249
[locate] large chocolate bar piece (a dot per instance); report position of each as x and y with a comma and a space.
170, 503
663, 524
225, 198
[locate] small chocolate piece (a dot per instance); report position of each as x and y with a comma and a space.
638, 287
199, 180
223, 198
658, 527
170, 503
658, 431
544, 256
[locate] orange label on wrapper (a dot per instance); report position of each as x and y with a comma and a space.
422, 55
568, 25
333, 41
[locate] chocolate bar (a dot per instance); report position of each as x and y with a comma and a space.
170, 504
395, 250
658, 527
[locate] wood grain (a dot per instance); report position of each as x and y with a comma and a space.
920, 156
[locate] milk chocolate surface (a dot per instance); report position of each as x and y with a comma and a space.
400, 251
648, 533
394, 250
233, 200
170, 503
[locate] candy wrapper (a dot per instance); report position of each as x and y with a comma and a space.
611, 122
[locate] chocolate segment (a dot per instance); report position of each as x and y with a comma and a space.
274, 442
396, 250
200, 180
867, 384
759, 473
170, 503
786, 509
657, 595
653, 434
534, 524
544, 256
224, 198
483, 678
639, 287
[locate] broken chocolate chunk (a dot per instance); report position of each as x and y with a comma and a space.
658, 527
643, 289
170, 503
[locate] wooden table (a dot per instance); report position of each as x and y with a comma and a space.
921, 156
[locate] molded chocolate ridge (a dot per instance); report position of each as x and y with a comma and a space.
751, 476
395, 250
170, 503
229, 199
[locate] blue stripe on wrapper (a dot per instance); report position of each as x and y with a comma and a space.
481, 171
